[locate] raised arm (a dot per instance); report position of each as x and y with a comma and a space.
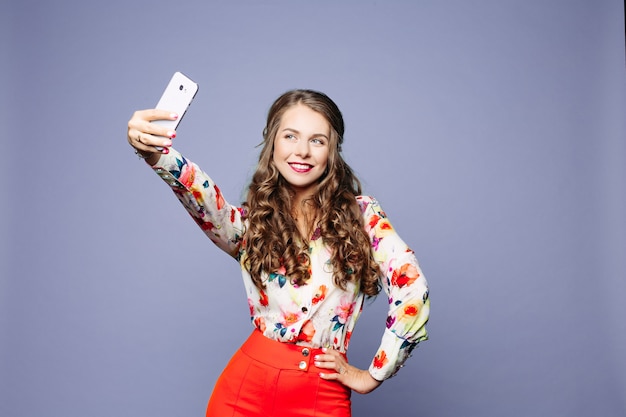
200, 196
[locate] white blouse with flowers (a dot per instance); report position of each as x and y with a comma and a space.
318, 313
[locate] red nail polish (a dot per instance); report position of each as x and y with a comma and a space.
165, 151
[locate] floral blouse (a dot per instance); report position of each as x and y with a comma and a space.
318, 313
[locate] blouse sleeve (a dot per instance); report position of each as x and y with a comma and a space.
406, 288
220, 221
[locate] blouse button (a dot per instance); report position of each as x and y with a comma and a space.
305, 310
302, 365
306, 352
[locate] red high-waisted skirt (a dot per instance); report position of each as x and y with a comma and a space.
266, 378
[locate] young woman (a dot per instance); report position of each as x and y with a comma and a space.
311, 248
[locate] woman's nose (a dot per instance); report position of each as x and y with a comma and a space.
302, 148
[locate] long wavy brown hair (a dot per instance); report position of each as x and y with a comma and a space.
272, 240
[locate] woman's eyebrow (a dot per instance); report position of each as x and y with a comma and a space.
297, 132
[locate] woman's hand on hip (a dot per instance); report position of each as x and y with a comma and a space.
150, 139
356, 379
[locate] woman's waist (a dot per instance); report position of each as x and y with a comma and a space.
281, 355
314, 332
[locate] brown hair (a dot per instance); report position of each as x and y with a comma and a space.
272, 239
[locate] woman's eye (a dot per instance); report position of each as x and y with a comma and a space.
290, 137
317, 141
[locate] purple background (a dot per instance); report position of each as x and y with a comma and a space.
492, 132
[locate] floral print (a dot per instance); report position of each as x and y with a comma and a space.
319, 313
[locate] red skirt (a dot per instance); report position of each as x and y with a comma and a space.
267, 378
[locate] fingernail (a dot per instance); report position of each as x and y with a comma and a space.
167, 143
171, 134
316, 358
324, 350
174, 116
165, 151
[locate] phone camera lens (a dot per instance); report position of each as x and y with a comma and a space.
181, 87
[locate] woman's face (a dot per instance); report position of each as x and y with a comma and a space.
301, 148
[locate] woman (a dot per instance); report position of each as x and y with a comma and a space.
311, 249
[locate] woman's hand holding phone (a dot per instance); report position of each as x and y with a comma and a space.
149, 139
151, 132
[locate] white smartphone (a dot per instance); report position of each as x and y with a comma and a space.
176, 98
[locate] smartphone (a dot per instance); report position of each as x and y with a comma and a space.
176, 98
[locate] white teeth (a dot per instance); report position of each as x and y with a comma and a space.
300, 166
